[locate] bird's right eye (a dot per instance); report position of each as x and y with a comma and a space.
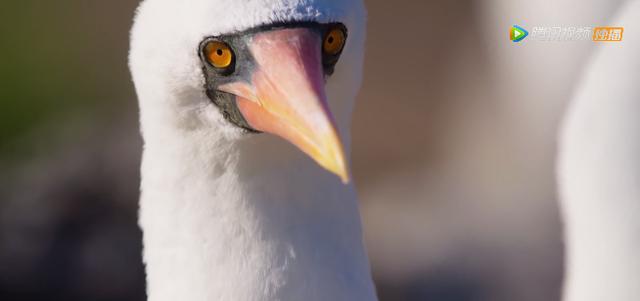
219, 54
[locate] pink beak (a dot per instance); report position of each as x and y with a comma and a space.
287, 97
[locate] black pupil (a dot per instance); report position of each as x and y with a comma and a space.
219, 52
330, 40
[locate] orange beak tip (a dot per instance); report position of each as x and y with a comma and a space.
345, 179
341, 173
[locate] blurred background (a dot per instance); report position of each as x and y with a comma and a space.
454, 148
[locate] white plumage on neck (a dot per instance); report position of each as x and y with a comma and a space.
222, 229
599, 172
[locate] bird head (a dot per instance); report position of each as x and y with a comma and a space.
237, 69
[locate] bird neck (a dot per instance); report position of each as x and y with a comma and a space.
251, 221
600, 193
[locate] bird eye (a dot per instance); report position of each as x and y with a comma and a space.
219, 54
334, 41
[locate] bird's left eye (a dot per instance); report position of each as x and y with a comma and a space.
334, 41
219, 54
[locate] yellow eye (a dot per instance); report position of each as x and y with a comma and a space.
334, 41
219, 54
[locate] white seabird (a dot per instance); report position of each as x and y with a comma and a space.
230, 209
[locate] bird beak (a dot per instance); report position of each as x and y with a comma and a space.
286, 96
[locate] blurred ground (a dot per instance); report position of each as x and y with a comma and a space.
453, 149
